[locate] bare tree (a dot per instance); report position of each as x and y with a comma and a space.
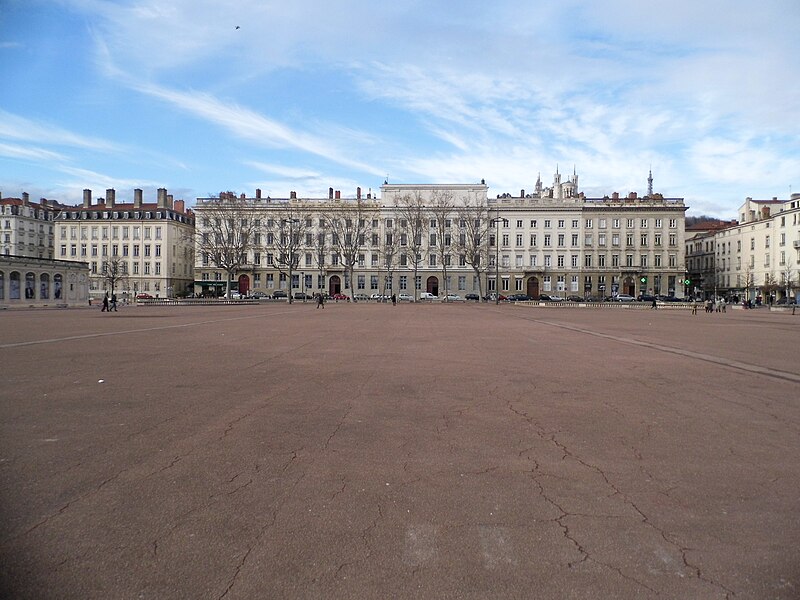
320, 246
787, 279
114, 273
411, 210
390, 251
348, 221
441, 210
292, 224
749, 282
473, 237
228, 228
770, 286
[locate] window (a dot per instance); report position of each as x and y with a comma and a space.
533, 239
644, 223
575, 222
644, 239
561, 223
615, 239
629, 260
658, 223
547, 223
560, 261
602, 224
519, 239
601, 260
362, 282
629, 223
519, 223
560, 239
587, 261
403, 282
574, 261
643, 261
432, 260
673, 223
547, 239
373, 282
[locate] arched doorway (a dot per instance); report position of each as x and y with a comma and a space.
334, 285
432, 285
13, 286
533, 288
629, 286
44, 293
244, 285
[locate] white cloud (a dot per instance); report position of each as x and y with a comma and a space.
21, 128
28, 153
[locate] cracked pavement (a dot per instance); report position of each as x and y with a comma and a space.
371, 451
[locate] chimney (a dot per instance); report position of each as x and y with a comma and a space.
169, 200
258, 193
137, 198
293, 195
615, 196
162, 198
180, 206
522, 193
87, 198
111, 197
632, 196
338, 195
25, 197
330, 193
765, 212
358, 193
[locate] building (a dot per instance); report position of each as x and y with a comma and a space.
32, 281
27, 227
448, 239
759, 257
144, 247
701, 262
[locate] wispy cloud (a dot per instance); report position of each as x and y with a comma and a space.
28, 153
21, 128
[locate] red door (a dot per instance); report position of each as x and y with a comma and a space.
244, 285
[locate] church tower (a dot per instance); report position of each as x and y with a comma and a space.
650, 183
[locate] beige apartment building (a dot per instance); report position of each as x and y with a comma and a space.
553, 241
758, 258
26, 227
148, 246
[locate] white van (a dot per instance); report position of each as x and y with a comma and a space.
426, 296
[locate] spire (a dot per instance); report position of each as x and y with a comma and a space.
650, 183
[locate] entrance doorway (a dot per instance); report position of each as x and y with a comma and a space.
334, 285
533, 288
629, 287
244, 285
432, 285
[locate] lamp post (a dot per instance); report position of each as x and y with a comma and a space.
303, 275
497, 221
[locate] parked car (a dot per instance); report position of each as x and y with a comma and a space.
258, 295
623, 298
144, 297
277, 294
473, 297
427, 296
379, 297
301, 296
575, 299
785, 301
493, 297
338, 296
453, 298
236, 295
518, 298
360, 297
645, 298
403, 297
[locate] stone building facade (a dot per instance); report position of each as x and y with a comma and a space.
32, 281
149, 244
26, 227
552, 241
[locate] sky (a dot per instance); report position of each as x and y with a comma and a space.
202, 96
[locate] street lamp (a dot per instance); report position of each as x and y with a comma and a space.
497, 221
303, 275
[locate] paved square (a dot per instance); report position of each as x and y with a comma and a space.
417, 451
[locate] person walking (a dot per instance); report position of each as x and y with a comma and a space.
113, 303
105, 303
394, 300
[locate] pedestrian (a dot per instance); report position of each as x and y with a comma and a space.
722, 305
394, 300
653, 306
694, 307
113, 302
105, 303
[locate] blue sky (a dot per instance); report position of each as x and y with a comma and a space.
308, 95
